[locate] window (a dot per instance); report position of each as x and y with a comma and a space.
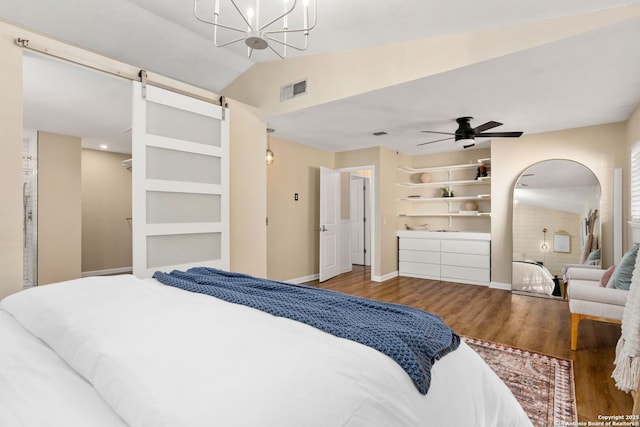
635, 182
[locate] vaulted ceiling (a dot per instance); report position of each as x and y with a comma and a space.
583, 79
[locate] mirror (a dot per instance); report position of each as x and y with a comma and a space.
555, 224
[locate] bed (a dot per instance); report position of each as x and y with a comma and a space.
120, 351
529, 276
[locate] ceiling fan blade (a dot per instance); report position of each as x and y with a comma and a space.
433, 131
486, 126
499, 134
431, 142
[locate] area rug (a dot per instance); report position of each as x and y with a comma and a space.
543, 384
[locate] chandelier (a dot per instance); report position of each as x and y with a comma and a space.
259, 34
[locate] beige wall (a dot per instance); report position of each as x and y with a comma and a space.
248, 191
386, 185
59, 208
633, 127
292, 237
528, 223
10, 164
600, 148
106, 208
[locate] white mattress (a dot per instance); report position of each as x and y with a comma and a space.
159, 356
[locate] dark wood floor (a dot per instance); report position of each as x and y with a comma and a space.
532, 323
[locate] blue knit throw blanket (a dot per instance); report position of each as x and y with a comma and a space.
413, 338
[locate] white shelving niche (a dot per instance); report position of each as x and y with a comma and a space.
421, 203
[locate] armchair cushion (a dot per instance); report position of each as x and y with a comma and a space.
621, 278
606, 277
582, 273
567, 267
593, 258
587, 290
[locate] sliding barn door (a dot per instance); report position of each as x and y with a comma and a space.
180, 173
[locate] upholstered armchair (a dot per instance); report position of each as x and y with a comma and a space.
590, 258
600, 295
589, 300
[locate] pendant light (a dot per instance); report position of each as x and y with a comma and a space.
269, 152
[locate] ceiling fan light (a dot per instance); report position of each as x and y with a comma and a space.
465, 142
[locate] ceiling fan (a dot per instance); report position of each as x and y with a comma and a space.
465, 135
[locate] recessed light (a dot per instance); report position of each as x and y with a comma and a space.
104, 146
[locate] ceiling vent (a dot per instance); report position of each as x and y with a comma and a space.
293, 89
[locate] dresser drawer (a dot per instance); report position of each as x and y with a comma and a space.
420, 244
466, 260
430, 271
475, 275
466, 247
419, 256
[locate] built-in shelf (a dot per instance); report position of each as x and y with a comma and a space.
481, 180
408, 169
445, 214
445, 199
453, 178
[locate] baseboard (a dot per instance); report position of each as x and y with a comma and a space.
313, 277
498, 285
387, 276
305, 279
107, 272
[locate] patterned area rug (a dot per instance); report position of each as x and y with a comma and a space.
543, 384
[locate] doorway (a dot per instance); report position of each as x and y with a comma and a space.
64, 98
359, 214
358, 234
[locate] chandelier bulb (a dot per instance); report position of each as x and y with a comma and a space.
260, 32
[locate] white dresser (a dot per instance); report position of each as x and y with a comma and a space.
450, 256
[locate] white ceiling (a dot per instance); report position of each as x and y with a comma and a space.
584, 80
63, 98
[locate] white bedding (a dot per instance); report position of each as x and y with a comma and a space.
532, 277
160, 356
37, 388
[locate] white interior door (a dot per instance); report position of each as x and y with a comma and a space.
329, 223
360, 220
356, 212
367, 221
180, 182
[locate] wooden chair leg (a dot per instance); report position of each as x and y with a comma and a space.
575, 321
636, 401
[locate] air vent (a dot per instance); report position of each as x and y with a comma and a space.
380, 133
293, 89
